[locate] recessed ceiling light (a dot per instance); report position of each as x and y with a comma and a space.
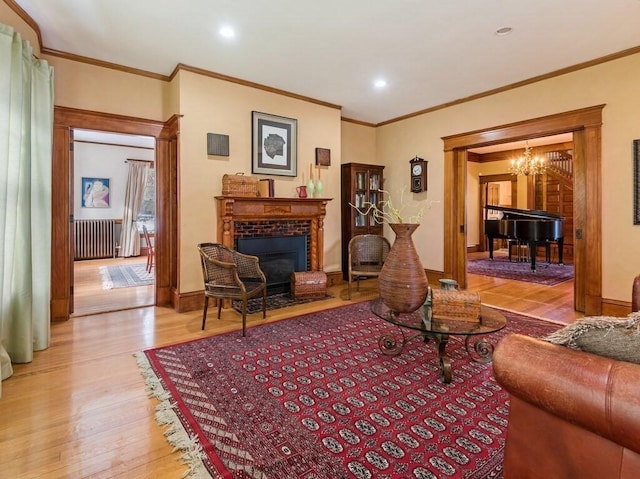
380, 83
227, 32
503, 31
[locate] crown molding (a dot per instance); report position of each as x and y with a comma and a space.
513, 86
563, 71
258, 86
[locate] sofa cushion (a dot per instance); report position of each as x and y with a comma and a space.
611, 337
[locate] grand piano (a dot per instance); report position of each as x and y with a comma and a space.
532, 227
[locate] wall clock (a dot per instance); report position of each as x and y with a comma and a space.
418, 175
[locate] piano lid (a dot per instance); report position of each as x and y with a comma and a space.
516, 213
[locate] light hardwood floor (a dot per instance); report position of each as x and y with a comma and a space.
80, 409
89, 297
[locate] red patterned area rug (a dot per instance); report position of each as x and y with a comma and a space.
314, 397
500, 267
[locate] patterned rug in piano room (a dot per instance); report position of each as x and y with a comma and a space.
548, 274
126, 276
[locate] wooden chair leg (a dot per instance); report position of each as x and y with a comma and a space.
204, 313
264, 304
219, 306
244, 317
349, 289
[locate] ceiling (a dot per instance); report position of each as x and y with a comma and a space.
430, 52
517, 145
92, 136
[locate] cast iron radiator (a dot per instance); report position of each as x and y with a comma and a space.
96, 238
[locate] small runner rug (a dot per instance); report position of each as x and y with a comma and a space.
314, 397
500, 267
126, 276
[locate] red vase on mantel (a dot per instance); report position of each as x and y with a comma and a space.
403, 283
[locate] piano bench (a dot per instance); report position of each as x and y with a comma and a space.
547, 250
522, 250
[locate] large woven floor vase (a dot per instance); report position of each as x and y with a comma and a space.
403, 282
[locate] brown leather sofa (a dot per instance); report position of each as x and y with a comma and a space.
572, 414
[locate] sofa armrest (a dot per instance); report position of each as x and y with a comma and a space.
596, 393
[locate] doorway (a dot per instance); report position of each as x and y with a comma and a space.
585, 124
165, 135
104, 279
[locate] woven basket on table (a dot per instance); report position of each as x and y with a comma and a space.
456, 305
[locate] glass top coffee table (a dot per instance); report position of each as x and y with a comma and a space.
417, 324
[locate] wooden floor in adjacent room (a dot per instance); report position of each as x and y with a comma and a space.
90, 297
80, 410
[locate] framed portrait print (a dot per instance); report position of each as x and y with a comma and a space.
274, 145
96, 192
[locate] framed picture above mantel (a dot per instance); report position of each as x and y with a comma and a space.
274, 145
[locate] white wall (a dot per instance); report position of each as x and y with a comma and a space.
95, 160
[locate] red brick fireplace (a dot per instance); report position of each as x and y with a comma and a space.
256, 217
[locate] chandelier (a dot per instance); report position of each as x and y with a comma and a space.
528, 164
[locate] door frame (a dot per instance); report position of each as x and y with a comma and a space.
483, 181
586, 126
166, 135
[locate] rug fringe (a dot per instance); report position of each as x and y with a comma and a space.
192, 454
106, 278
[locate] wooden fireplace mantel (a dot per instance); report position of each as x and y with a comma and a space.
236, 209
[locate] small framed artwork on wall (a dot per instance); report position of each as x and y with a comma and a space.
274, 145
96, 192
323, 157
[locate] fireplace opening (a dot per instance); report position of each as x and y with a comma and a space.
279, 257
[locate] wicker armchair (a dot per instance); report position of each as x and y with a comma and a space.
366, 257
229, 274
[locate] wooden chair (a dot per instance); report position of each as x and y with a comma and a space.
229, 274
150, 250
366, 257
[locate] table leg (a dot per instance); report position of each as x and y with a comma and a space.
389, 345
392, 344
445, 361
481, 351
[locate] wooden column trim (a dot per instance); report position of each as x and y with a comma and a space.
586, 125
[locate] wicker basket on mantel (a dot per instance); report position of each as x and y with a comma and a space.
239, 185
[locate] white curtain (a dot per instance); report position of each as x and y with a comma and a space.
26, 136
134, 194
